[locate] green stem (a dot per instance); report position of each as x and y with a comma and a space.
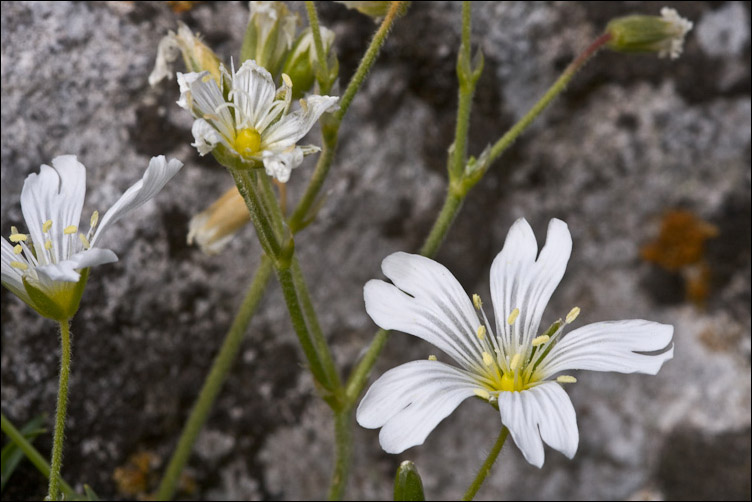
368, 59
560, 85
33, 455
271, 202
301, 329
264, 230
465, 98
321, 64
452, 206
343, 441
215, 379
301, 214
486, 467
62, 407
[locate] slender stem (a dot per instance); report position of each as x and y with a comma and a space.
313, 323
343, 441
321, 63
486, 467
33, 455
465, 98
255, 208
301, 329
215, 379
62, 407
273, 207
561, 83
452, 206
368, 59
297, 220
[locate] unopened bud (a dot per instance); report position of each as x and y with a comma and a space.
214, 227
302, 61
269, 36
638, 33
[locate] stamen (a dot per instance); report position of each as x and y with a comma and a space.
572, 315
287, 80
16, 237
515, 364
18, 249
566, 379
477, 302
513, 316
432, 357
19, 265
482, 393
487, 359
84, 241
70, 229
94, 219
46, 226
481, 332
48, 244
540, 340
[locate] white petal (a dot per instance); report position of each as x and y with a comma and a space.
205, 100
168, 51
611, 346
253, 92
518, 281
292, 127
93, 257
206, 137
410, 400
426, 301
280, 164
56, 193
12, 278
543, 412
65, 271
156, 176
184, 82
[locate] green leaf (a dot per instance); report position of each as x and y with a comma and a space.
11, 454
90, 495
407, 483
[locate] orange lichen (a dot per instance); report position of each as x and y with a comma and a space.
680, 248
135, 478
181, 6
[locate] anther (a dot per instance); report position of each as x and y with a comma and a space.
16, 237
84, 241
70, 229
513, 316
540, 340
477, 302
17, 249
482, 393
48, 244
515, 364
432, 357
481, 332
19, 265
287, 80
46, 226
572, 315
94, 219
487, 359
566, 379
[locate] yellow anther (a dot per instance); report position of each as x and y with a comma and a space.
572, 315
70, 229
16, 237
477, 302
48, 244
84, 241
432, 357
487, 359
482, 393
566, 379
287, 80
540, 340
19, 265
515, 364
513, 316
17, 249
248, 141
46, 226
13, 230
481, 332
94, 219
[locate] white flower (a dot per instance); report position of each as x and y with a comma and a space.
44, 266
510, 366
680, 27
254, 124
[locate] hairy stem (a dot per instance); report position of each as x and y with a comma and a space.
62, 408
486, 467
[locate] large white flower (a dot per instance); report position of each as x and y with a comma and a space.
44, 267
513, 366
254, 123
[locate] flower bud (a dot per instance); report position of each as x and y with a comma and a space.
302, 61
197, 56
214, 227
375, 10
269, 36
638, 33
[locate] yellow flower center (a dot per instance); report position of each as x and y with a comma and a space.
247, 141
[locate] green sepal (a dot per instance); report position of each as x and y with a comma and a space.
63, 304
407, 483
639, 33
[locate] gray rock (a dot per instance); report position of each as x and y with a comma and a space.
633, 137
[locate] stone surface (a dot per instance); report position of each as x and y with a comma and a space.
633, 137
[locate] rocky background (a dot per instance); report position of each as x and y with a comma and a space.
637, 144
